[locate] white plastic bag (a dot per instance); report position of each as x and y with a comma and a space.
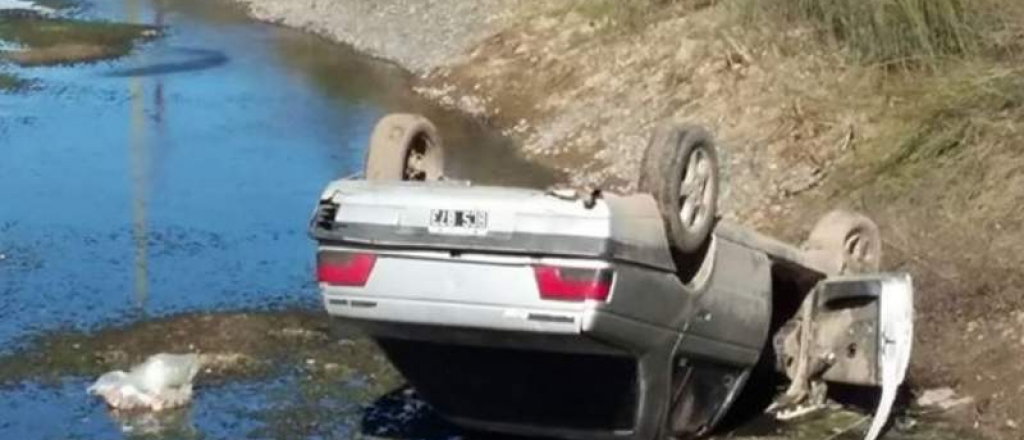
163, 381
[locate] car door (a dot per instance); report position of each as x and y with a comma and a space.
853, 329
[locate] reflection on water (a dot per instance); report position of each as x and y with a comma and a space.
180, 59
175, 423
137, 145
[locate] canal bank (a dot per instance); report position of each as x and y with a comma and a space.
917, 133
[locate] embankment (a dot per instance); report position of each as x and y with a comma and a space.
910, 115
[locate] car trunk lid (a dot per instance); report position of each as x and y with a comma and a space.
459, 217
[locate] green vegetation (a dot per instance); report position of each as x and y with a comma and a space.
63, 41
43, 32
232, 346
12, 83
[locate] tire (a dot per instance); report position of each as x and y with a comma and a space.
848, 242
680, 170
404, 147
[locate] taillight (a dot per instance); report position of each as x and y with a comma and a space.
573, 284
344, 268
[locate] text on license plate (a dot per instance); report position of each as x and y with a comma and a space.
458, 221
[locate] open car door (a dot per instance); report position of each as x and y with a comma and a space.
851, 329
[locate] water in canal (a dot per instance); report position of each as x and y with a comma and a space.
181, 179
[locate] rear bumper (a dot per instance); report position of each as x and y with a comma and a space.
588, 329
436, 313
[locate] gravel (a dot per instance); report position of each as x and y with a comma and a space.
420, 35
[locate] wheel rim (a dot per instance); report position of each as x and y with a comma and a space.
695, 190
858, 251
414, 169
416, 161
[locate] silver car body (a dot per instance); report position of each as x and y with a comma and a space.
469, 293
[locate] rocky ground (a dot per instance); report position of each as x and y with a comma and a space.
419, 35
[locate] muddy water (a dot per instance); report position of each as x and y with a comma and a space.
181, 179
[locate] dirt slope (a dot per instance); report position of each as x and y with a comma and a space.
932, 155
584, 94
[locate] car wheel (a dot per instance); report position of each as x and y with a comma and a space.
404, 147
680, 170
846, 242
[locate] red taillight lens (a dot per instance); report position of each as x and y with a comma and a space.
344, 268
573, 284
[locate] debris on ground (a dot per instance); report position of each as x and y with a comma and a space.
162, 382
942, 398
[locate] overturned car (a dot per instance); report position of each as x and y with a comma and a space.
583, 314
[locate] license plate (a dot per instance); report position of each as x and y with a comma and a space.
458, 222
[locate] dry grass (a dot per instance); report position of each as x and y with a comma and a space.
970, 94
632, 15
960, 111
907, 110
901, 33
